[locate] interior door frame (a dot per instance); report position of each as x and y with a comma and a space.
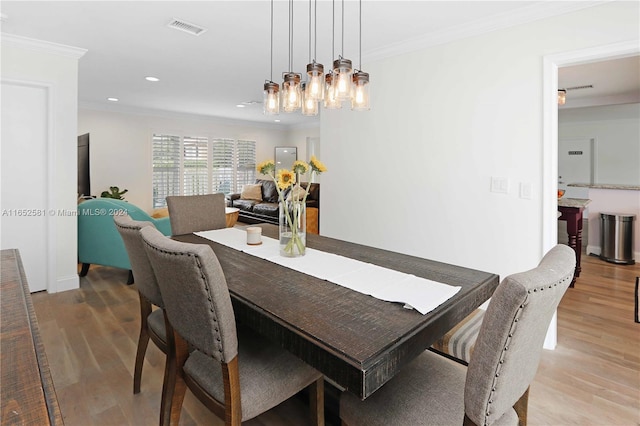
551, 63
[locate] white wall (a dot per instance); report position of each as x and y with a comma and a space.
120, 144
616, 130
413, 174
297, 136
54, 68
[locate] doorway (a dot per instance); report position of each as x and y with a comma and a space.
551, 63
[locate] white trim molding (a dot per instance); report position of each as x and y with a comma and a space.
43, 46
550, 65
519, 16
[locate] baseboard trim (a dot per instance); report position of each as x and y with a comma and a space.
593, 250
65, 283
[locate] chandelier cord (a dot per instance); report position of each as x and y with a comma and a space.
360, 34
271, 41
333, 28
342, 54
309, 31
290, 36
315, 29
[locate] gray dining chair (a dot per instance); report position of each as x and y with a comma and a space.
434, 390
234, 372
193, 213
151, 321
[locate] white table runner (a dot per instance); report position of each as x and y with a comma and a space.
386, 284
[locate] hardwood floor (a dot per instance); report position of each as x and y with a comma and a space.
90, 335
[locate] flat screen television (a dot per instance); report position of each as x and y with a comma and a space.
84, 179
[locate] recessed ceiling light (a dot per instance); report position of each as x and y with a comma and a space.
240, 106
277, 121
113, 99
152, 78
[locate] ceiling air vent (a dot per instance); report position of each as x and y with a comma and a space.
187, 27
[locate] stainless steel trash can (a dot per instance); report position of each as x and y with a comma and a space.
616, 237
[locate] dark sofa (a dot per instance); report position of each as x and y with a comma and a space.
266, 211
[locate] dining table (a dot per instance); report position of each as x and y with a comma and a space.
357, 341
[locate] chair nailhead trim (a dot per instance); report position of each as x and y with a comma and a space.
510, 336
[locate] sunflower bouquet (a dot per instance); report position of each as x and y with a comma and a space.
292, 207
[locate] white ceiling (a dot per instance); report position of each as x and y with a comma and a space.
227, 65
613, 81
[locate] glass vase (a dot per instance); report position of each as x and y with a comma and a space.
293, 228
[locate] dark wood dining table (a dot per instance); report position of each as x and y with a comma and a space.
355, 340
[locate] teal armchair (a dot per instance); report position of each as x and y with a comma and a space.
99, 242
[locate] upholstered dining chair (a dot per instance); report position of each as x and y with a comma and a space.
434, 390
193, 213
151, 321
234, 372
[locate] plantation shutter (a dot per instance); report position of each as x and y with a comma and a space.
223, 165
195, 166
166, 168
246, 166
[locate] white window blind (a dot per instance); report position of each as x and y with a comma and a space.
246, 163
188, 165
223, 165
166, 168
195, 163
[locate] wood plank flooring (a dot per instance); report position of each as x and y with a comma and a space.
90, 335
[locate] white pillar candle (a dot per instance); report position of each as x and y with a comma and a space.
254, 235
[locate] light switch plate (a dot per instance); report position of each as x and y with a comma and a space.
525, 190
500, 184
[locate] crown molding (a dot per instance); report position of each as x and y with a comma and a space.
151, 112
519, 16
43, 46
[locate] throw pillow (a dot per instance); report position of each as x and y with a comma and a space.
296, 193
251, 192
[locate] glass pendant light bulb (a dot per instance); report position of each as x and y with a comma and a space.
271, 98
309, 105
360, 95
342, 71
315, 86
330, 100
562, 96
291, 94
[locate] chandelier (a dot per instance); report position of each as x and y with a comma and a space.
341, 83
562, 96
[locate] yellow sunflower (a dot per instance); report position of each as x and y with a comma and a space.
316, 165
266, 167
300, 167
285, 178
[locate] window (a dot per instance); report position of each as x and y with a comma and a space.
166, 168
195, 162
222, 165
246, 164
189, 165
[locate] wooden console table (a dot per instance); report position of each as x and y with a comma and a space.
571, 211
27, 395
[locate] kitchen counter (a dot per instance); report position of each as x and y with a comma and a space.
573, 202
606, 186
